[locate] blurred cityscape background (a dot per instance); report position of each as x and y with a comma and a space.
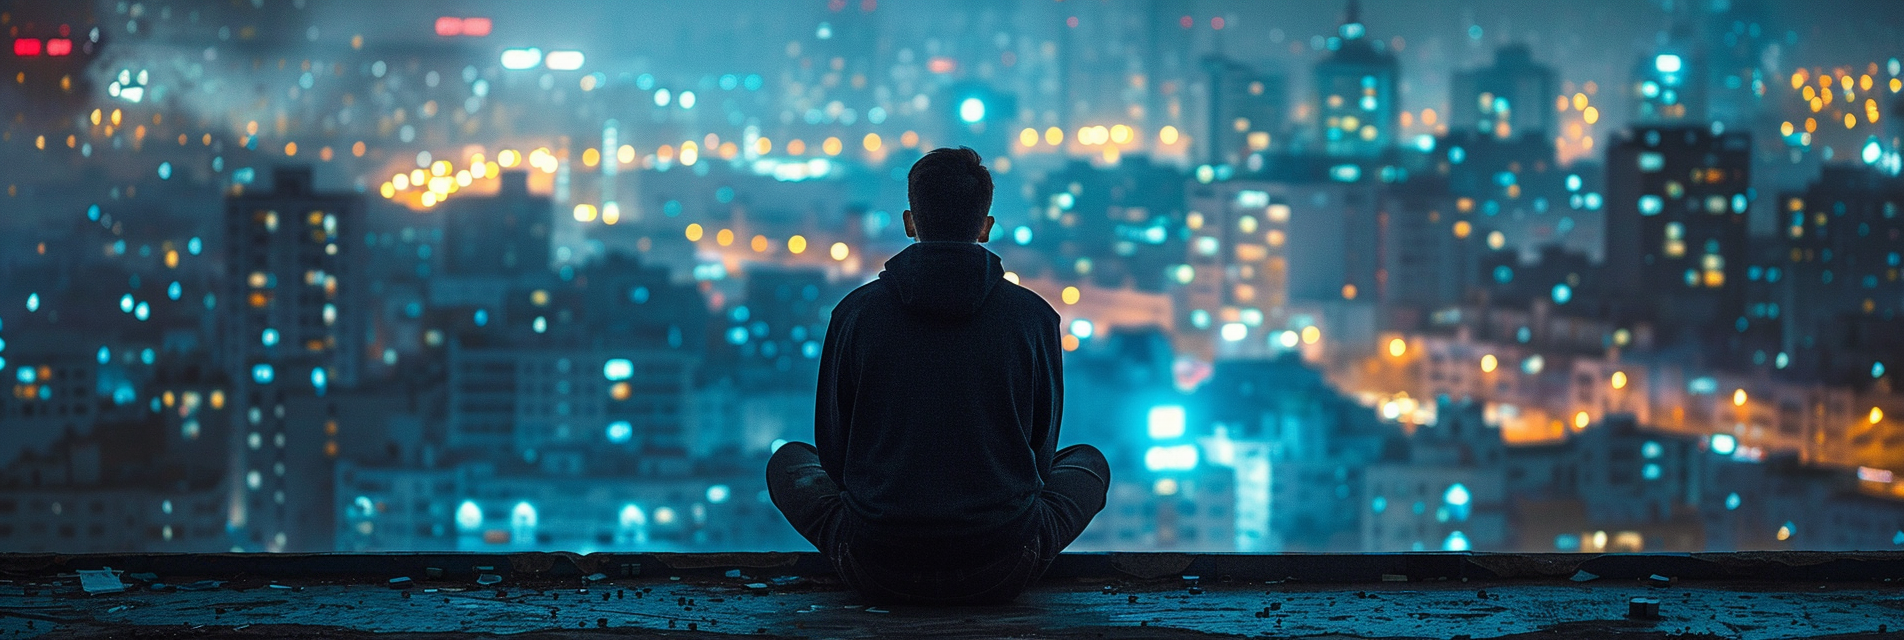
311, 275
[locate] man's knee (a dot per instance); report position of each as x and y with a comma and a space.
1085, 457
787, 465
793, 454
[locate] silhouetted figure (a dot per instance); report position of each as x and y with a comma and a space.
937, 477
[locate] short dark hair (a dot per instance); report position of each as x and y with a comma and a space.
951, 193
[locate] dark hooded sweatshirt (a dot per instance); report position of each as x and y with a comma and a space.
940, 390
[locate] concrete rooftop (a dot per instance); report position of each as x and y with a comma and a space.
792, 595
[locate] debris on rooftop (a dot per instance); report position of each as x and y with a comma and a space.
1643, 608
100, 581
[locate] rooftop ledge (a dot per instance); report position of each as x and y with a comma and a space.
1086, 595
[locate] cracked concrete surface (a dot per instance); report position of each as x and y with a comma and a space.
1058, 609
1750, 597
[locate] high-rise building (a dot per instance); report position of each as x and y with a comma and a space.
1669, 85
524, 397
1515, 186
1169, 63
1613, 486
291, 317
1299, 230
1429, 247
1736, 36
1110, 228
113, 489
1840, 242
1506, 100
1299, 451
601, 366
1676, 207
503, 235
1449, 495
1357, 92
1247, 110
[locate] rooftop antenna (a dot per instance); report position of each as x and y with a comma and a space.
1352, 28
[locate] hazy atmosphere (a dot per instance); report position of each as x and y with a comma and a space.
1391, 275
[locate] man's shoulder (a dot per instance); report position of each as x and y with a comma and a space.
1018, 300
1026, 301
863, 295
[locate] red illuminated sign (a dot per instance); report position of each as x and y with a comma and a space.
449, 26
59, 47
28, 47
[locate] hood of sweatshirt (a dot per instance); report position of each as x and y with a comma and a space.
943, 279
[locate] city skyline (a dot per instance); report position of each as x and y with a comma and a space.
303, 275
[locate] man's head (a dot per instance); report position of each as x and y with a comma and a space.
951, 196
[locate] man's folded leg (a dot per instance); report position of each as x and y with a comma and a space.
804, 493
1073, 495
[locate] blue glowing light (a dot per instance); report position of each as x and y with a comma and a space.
1165, 422
1082, 328
469, 516
971, 110
1724, 444
1181, 457
618, 369
1457, 495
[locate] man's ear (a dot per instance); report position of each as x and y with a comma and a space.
911, 231
985, 231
